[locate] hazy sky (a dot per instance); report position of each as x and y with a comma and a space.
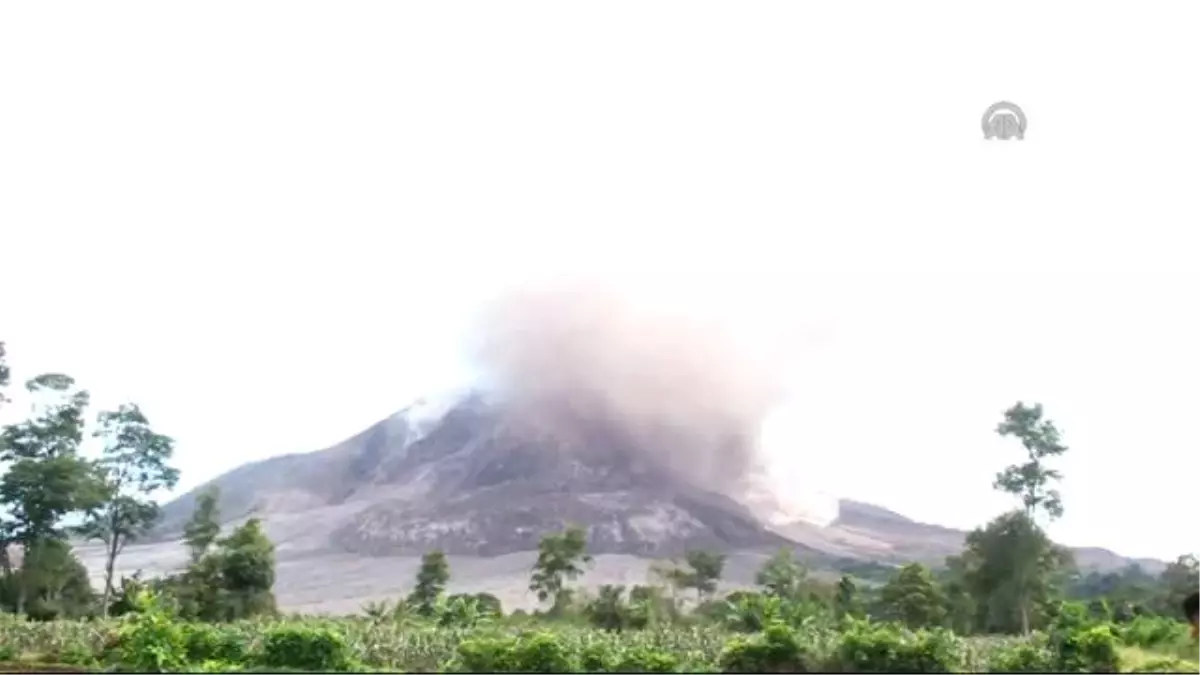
270, 223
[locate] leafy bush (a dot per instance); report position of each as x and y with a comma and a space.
643, 659
1152, 631
775, 650
1091, 650
206, 642
876, 648
539, 652
150, 640
1022, 657
305, 648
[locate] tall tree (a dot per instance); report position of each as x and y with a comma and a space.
1032, 559
432, 578
1010, 568
134, 466
561, 558
204, 526
46, 478
912, 598
1030, 480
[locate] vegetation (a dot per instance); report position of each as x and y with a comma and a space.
1012, 601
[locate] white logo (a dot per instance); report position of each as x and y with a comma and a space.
1004, 120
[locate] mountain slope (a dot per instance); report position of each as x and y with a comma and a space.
469, 476
475, 479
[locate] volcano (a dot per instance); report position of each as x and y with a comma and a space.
474, 476
483, 480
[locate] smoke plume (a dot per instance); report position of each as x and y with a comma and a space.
683, 388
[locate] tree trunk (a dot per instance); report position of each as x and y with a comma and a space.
109, 565
21, 593
1024, 617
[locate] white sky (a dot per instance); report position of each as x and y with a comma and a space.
269, 223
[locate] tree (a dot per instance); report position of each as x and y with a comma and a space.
55, 583
1010, 568
648, 605
961, 609
1030, 480
46, 478
912, 598
705, 571
608, 610
134, 465
846, 601
431, 582
204, 526
1012, 554
246, 561
1178, 580
783, 576
560, 559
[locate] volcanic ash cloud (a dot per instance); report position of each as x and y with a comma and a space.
687, 395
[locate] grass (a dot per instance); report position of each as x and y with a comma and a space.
388, 645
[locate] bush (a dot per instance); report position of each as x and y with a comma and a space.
1091, 650
775, 650
150, 640
210, 643
1023, 657
1152, 631
875, 648
643, 659
539, 652
304, 648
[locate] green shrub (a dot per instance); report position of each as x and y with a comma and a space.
305, 648
775, 650
539, 652
1023, 657
206, 642
484, 654
876, 648
150, 640
1090, 650
643, 659
1152, 631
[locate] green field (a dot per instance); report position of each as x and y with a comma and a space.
152, 641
